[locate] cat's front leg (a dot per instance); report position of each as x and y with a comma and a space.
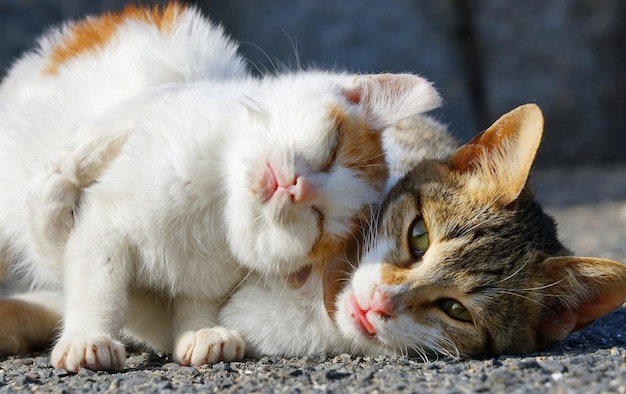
96, 302
197, 340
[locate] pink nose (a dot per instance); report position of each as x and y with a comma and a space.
381, 304
299, 189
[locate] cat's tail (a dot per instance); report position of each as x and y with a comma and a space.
3, 266
30, 321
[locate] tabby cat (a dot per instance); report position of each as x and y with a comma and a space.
463, 261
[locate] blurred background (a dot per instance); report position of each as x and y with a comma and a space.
485, 57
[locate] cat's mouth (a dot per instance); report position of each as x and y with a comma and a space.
359, 317
378, 307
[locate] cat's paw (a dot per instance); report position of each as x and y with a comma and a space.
208, 346
98, 353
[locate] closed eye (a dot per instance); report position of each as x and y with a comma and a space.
333, 149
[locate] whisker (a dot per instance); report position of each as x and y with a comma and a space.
267, 56
520, 296
294, 46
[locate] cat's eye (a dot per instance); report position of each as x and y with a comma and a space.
455, 309
418, 238
334, 150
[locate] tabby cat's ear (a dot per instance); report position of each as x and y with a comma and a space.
388, 98
580, 290
500, 158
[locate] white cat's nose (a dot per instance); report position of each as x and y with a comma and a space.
299, 188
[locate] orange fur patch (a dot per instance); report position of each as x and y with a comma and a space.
335, 273
392, 275
327, 245
360, 147
93, 33
25, 326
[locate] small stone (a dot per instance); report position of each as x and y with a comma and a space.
171, 366
167, 385
84, 372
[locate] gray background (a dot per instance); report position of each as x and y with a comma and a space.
486, 57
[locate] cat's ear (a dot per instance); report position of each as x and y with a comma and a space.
386, 99
501, 157
579, 290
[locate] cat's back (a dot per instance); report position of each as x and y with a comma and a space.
81, 69
125, 50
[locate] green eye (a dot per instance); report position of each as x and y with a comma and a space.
455, 309
418, 238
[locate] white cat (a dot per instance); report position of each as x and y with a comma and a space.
188, 173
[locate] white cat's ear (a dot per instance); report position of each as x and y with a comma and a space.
579, 290
389, 98
501, 157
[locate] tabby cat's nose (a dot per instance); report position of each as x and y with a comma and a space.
381, 303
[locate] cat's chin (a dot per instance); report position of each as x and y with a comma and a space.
275, 249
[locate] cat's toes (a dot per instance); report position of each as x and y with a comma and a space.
208, 346
99, 353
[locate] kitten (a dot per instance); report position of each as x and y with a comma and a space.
187, 172
464, 262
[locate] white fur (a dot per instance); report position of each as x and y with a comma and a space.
163, 137
277, 319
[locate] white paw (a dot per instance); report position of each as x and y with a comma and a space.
97, 353
208, 346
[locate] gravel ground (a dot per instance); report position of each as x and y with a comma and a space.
590, 207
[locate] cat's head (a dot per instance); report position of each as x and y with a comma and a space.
465, 261
312, 165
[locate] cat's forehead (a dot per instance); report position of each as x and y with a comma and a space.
442, 197
471, 238
429, 189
